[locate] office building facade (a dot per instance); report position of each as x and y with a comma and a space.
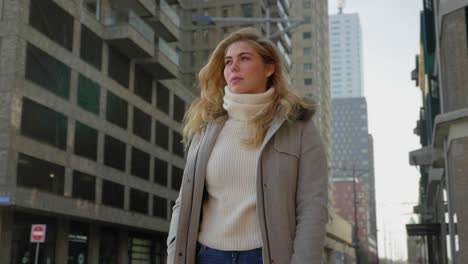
91, 111
443, 130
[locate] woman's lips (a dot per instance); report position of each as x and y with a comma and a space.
235, 80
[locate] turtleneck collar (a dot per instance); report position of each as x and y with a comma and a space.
243, 107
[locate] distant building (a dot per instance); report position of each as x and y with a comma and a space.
346, 56
352, 143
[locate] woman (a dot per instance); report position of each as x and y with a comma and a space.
254, 188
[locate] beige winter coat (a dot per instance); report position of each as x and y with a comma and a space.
292, 182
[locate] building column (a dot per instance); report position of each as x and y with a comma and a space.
123, 246
93, 244
61, 244
6, 234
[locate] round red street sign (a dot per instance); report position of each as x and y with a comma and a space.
38, 233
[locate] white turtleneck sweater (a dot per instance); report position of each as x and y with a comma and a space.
229, 220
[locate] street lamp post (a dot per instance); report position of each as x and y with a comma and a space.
293, 23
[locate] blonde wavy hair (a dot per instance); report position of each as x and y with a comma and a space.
286, 104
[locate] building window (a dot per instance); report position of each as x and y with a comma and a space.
177, 175
159, 207
162, 135
91, 47
86, 139
307, 51
43, 124
84, 186
308, 81
114, 153
306, 4
88, 94
143, 85
247, 10
162, 98
138, 201
177, 145
225, 11
140, 164
119, 67
116, 110
141, 124
160, 172
307, 19
113, 194
40, 174
47, 72
52, 21
178, 109
307, 67
306, 35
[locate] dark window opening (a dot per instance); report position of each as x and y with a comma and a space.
43, 124
177, 175
88, 94
112, 194
119, 67
91, 47
162, 98
160, 172
84, 186
108, 245
179, 109
159, 207
162, 135
177, 145
141, 124
40, 174
114, 153
47, 72
116, 110
143, 85
86, 139
52, 21
140, 164
138, 201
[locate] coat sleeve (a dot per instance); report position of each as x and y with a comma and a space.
171, 238
311, 199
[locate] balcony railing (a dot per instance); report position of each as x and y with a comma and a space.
283, 51
168, 51
117, 17
285, 36
169, 12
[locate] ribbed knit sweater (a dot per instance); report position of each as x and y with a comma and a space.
229, 220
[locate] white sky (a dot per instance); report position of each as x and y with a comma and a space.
390, 31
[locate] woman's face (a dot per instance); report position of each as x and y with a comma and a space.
244, 69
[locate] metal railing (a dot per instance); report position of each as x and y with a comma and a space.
140, 25
118, 17
169, 12
284, 53
168, 51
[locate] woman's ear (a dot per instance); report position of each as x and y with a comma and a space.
269, 69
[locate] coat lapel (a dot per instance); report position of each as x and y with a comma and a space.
204, 152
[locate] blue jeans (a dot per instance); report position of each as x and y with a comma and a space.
206, 255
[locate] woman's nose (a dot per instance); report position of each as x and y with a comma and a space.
234, 66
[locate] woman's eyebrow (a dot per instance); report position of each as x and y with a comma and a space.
240, 54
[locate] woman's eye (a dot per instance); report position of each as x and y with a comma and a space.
227, 62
